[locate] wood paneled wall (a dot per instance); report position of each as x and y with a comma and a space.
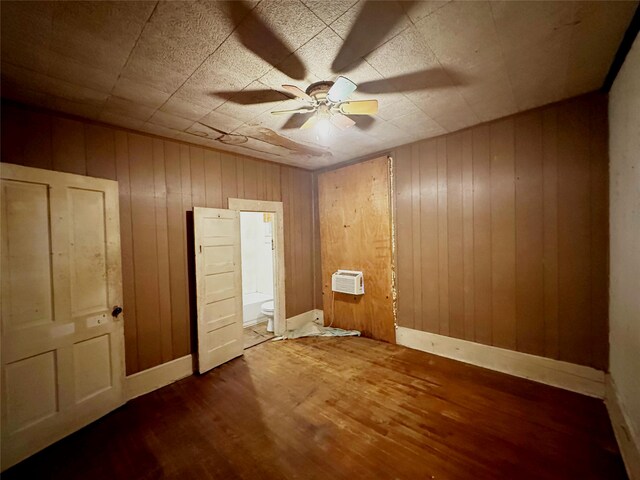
502, 233
355, 234
317, 257
160, 181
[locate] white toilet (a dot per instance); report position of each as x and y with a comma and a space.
267, 310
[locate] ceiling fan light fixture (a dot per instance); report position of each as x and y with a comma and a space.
328, 102
310, 123
323, 126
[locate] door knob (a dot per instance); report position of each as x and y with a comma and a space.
116, 311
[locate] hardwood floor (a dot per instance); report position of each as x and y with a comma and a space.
342, 408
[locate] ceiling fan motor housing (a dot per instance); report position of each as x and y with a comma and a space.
318, 90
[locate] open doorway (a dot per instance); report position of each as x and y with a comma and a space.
262, 252
258, 280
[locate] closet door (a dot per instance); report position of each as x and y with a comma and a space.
219, 286
62, 350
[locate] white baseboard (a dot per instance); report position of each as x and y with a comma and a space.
157, 377
306, 317
569, 376
255, 321
628, 439
162, 375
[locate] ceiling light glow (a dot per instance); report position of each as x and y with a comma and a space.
323, 127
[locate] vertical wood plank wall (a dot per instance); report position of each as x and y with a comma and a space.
317, 257
160, 181
355, 234
502, 233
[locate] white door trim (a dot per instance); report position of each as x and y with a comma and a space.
628, 439
244, 205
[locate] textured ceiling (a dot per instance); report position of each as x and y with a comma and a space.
194, 71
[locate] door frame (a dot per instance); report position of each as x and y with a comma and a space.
277, 209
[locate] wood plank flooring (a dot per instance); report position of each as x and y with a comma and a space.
342, 408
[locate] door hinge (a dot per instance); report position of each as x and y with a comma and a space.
200, 248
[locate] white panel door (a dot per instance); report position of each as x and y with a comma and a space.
62, 350
219, 286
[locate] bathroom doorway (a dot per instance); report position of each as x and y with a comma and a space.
262, 254
256, 240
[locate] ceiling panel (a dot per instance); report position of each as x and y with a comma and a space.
418, 123
26, 34
221, 121
170, 121
128, 108
419, 10
328, 12
125, 121
15, 78
185, 109
471, 54
81, 73
535, 40
590, 54
251, 102
467, 45
175, 41
98, 34
318, 53
212, 76
365, 27
139, 92
200, 70
267, 35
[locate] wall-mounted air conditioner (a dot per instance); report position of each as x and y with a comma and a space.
347, 281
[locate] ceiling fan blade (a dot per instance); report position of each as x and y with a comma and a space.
341, 89
309, 123
256, 36
295, 110
341, 121
251, 97
375, 21
297, 92
360, 107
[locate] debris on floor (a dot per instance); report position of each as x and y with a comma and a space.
313, 330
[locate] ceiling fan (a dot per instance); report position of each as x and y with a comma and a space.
329, 104
326, 101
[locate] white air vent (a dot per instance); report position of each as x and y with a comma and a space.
347, 281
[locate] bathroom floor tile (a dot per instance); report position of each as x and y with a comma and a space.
256, 334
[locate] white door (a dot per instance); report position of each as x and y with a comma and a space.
62, 351
218, 285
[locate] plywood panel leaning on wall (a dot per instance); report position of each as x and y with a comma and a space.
355, 234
